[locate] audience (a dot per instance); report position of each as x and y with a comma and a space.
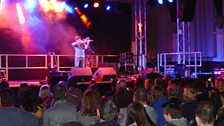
12, 116
134, 102
205, 114
46, 95
159, 99
137, 116
108, 113
172, 113
88, 112
61, 111
141, 96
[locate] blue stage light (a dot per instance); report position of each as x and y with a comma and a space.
68, 8
108, 7
160, 1
171, 1
86, 5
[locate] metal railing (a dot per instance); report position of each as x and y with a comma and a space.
193, 59
45, 61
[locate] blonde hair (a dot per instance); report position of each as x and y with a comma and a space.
190, 93
44, 91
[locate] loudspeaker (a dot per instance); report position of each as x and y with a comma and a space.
54, 77
105, 74
79, 75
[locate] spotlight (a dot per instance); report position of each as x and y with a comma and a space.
171, 1
86, 5
108, 7
96, 4
160, 1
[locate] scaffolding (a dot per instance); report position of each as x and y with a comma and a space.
140, 33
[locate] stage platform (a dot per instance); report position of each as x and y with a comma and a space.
32, 83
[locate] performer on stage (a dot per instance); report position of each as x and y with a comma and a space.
80, 46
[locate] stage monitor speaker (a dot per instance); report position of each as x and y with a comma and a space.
105, 74
79, 75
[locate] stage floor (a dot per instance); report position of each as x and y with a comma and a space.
32, 83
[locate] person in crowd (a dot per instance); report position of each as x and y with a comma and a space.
13, 116
88, 112
205, 114
123, 98
4, 84
137, 116
141, 96
108, 113
46, 95
175, 93
172, 113
74, 96
159, 99
32, 103
61, 111
22, 88
220, 120
190, 103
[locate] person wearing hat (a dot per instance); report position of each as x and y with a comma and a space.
80, 46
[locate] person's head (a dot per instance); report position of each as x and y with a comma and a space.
137, 113
141, 96
157, 92
23, 88
220, 84
121, 84
59, 92
89, 103
77, 38
172, 111
4, 84
205, 113
7, 97
189, 93
108, 111
174, 91
44, 91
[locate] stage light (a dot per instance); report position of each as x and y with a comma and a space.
96, 4
1, 6
86, 5
20, 13
68, 8
160, 1
108, 7
171, 1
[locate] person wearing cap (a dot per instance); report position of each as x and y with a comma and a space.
80, 46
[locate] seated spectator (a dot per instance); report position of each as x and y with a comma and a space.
61, 111
173, 115
46, 95
137, 116
108, 113
205, 114
159, 99
141, 96
12, 116
189, 106
32, 103
88, 112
